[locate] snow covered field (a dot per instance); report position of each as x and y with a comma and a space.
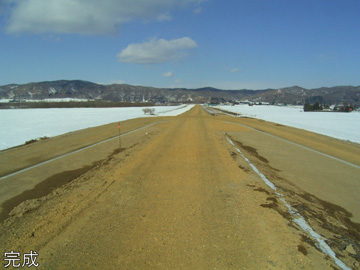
48, 100
345, 126
19, 126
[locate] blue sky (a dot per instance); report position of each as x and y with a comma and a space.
228, 44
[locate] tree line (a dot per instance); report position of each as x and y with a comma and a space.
318, 107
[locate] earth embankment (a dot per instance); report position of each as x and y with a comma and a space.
182, 198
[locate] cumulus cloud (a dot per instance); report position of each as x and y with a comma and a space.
86, 16
157, 51
168, 74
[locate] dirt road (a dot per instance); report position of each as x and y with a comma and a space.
182, 198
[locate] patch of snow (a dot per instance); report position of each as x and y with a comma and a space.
59, 100
343, 126
21, 125
177, 110
52, 90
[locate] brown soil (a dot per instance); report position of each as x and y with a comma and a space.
17, 158
42, 189
179, 197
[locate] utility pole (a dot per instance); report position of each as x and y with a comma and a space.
119, 137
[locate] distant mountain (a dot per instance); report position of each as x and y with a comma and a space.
128, 93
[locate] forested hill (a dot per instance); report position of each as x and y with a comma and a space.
77, 89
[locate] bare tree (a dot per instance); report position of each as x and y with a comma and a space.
149, 111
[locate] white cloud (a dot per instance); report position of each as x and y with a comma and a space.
157, 51
234, 70
86, 16
168, 74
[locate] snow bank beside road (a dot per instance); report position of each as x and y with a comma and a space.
345, 126
19, 126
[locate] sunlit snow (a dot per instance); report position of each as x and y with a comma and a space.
21, 125
345, 126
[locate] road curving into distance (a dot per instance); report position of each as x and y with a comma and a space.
179, 196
